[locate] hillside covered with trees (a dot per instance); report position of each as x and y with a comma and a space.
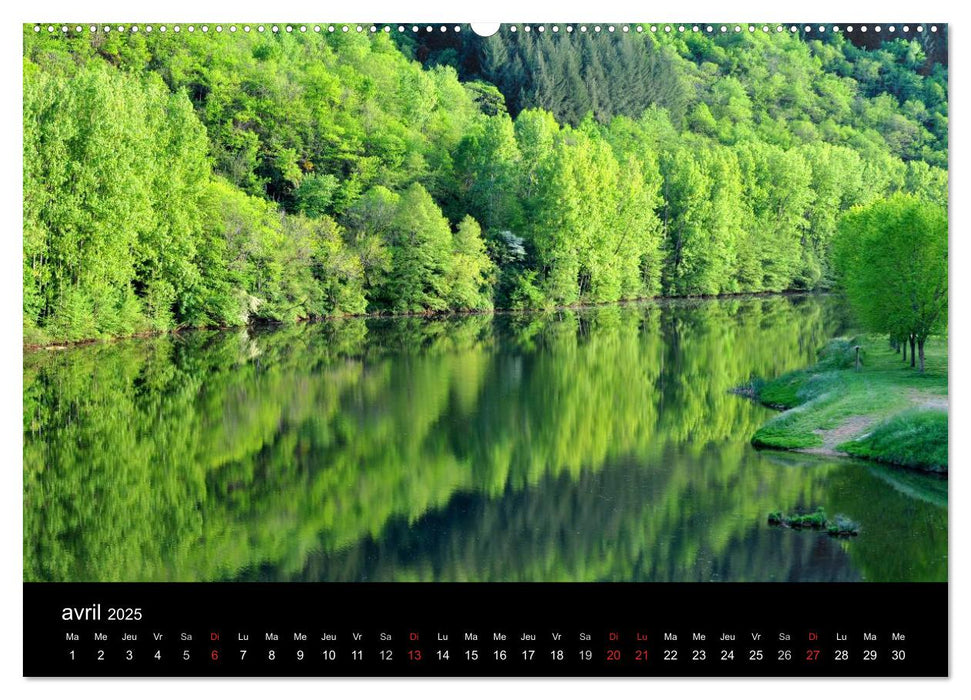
225, 178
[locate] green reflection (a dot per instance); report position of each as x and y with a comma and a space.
597, 444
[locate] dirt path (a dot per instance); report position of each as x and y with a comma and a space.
923, 399
857, 426
847, 430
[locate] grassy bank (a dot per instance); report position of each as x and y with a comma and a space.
886, 411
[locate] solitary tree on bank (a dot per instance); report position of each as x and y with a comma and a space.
891, 259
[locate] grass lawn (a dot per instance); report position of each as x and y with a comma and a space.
887, 411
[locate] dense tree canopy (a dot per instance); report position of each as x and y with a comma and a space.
786, 88
227, 178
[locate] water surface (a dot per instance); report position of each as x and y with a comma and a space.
585, 445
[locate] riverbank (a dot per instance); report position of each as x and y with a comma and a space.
35, 339
887, 411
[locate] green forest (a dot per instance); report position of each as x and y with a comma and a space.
214, 179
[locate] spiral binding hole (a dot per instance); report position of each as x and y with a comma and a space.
596, 29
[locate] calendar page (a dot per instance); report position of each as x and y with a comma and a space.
410, 349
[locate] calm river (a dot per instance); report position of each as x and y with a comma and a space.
590, 445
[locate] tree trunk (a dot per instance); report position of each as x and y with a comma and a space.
920, 350
904, 346
913, 359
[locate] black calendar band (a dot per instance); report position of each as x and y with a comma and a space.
513, 629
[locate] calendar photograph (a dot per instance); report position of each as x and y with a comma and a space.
438, 304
